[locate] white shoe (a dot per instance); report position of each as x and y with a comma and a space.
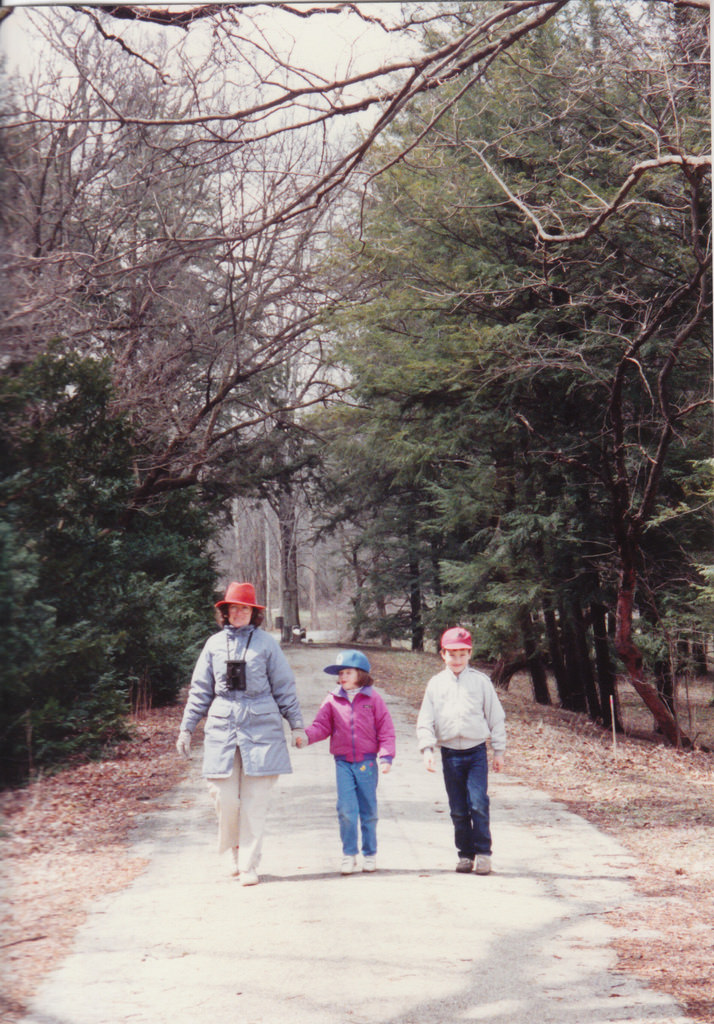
234, 852
369, 864
349, 865
249, 877
483, 864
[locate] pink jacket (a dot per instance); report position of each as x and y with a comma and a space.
356, 728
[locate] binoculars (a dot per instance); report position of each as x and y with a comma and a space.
235, 675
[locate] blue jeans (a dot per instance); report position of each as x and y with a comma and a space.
357, 802
466, 780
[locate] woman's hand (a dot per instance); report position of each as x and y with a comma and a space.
183, 743
299, 739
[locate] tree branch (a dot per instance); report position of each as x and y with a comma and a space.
637, 172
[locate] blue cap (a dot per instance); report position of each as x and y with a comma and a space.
348, 659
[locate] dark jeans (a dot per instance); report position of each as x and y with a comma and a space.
466, 780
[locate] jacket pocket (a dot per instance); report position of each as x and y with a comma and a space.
264, 723
218, 718
262, 707
219, 742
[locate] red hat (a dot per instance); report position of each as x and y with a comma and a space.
456, 639
240, 593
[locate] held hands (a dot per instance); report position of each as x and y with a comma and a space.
183, 744
299, 739
429, 759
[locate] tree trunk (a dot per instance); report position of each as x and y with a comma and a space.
287, 523
585, 665
314, 610
604, 668
534, 660
557, 661
358, 611
504, 670
381, 604
415, 598
436, 571
571, 656
665, 683
631, 658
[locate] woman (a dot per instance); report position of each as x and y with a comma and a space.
244, 685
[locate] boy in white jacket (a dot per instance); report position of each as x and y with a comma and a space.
459, 713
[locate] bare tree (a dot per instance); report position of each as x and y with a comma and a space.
100, 228
168, 178
249, 90
169, 172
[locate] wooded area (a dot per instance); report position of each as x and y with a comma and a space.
447, 302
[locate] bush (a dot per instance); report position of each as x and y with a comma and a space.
101, 610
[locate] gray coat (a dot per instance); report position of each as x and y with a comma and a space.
250, 719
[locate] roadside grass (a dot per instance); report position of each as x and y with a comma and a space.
657, 801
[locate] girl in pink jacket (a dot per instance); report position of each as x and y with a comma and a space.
361, 733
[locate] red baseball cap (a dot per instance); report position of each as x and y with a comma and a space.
456, 639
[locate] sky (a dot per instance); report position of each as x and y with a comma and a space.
323, 43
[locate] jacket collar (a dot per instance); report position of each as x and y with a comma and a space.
339, 692
238, 630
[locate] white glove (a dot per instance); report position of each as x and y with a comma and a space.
299, 735
183, 743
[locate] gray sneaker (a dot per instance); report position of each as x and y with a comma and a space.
483, 864
464, 866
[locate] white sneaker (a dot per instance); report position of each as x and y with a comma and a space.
249, 877
369, 864
349, 865
483, 864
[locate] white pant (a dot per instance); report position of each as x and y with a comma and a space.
241, 803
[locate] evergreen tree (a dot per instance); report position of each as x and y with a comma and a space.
100, 617
534, 320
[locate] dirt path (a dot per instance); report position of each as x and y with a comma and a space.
414, 943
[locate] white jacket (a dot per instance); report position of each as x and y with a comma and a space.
461, 711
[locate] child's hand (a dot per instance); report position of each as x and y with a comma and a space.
429, 760
299, 739
385, 766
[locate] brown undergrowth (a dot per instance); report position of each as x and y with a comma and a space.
65, 838
658, 802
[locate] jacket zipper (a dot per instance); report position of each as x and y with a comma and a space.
352, 729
